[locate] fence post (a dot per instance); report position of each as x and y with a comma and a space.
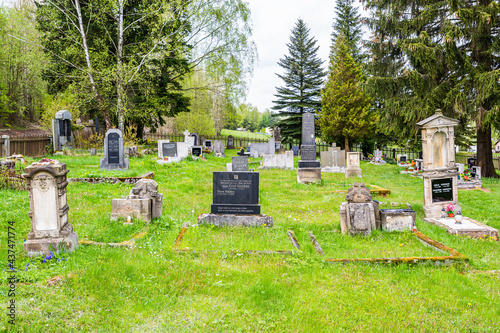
6, 145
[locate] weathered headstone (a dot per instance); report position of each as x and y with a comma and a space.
281, 161
309, 169
357, 215
230, 142
353, 165
239, 163
50, 228
397, 219
258, 149
202, 142
61, 130
333, 160
144, 202
277, 134
295, 150
93, 151
113, 151
219, 148
6, 145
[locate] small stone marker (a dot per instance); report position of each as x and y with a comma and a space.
397, 219
50, 228
144, 202
113, 151
239, 163
357, 215
93, 151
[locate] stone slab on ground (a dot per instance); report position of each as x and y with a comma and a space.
468, 227
227, 220
469, 184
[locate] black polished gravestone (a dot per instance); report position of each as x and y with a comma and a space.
295, 150
196, 151
236, 193
240, 163
169, 149
114, 151
308, 147
471, 161
113, 148
208, 143
402, 158
442, 190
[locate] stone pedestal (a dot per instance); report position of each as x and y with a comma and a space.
308, 175
50, 229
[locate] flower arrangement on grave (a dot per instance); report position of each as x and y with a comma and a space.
449, 210
413, 163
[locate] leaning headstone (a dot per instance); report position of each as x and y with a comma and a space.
236, 201
239, 163
230, 142
357, 214
353, 165
219, 148
50, 228
143, 202
113, 151
309, 169
61, 130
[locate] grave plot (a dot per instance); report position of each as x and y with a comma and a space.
111, 233
211, 238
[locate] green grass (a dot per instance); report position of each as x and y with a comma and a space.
240, 134
153, 288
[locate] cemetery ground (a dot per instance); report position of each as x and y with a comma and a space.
207, 282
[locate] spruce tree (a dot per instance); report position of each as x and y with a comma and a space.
437, 54
347, 22
345, 106
303, 79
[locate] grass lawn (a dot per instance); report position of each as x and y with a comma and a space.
218, 287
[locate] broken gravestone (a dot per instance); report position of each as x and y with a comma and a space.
357, 215
144, 202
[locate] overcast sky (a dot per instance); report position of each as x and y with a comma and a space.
273, 21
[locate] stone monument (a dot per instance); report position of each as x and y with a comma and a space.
143, 202
61, 130
236, 201
353, 165
113, 151
357, 215
259, 149
230, 142
309, 169
219, 148
50, 229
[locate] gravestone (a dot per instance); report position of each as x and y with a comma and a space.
358, 213
61, 130
6, 145
281, 161
143, 202
93, 151
208, 144
461, 167
50, 228
230, 142
295, 150
353, 165
167, 149
239, 163
277, 134
333, 160
113, 151
476, 172
196, 151
188, 139
402, 158
219, 148
309, 169
471, 161
258, 149
202, 142
196, 139
397, 219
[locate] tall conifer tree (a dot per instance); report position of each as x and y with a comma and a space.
437, 54
303, 79
345, 106
347, 22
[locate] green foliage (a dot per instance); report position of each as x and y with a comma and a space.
347, 22
303, 79
437, 54
346, 110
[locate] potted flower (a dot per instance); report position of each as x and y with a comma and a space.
449, 210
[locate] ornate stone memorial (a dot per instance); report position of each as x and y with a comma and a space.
353, 165
50, 228
113, 151
357, 215
61, 130
144, 202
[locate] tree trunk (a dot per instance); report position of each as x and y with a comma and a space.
346, 144
119, 68
484, 153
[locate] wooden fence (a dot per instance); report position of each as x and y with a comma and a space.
27, 145
238, 142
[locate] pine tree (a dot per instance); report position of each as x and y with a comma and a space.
437, 54
303, 80
348, 23
345, 106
